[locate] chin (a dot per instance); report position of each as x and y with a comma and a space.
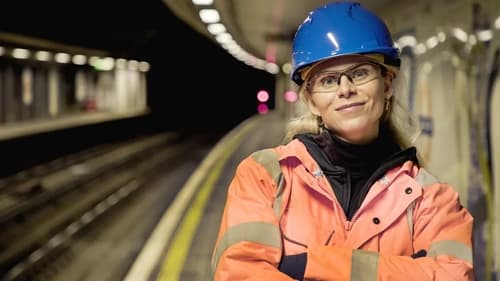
354, 132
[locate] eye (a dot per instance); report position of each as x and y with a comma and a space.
329, 80
359, 73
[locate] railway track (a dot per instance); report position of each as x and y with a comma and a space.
41, 209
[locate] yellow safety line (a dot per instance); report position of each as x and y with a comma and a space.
179, 248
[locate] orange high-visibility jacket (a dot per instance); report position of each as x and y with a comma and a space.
280, 203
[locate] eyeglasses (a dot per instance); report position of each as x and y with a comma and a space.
358, 74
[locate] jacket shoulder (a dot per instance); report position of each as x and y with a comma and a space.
269, 159
425, 178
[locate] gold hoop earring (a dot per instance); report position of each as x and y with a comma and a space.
387, 104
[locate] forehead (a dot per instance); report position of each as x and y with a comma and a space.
339, 63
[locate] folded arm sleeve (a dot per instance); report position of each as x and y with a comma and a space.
249, 246
443, 229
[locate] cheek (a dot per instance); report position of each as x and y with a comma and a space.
379, 102
379, 94
378, 106
322, 101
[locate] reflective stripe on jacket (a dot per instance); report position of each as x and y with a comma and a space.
279, 203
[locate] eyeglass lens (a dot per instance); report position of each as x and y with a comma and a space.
330, 80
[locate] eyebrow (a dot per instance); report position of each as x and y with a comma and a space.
341, 70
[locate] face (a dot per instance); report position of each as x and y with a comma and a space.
350, 107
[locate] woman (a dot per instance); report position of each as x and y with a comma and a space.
346, 197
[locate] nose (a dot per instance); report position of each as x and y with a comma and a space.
346, 87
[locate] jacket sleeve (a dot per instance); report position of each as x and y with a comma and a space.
248, 245
442, 227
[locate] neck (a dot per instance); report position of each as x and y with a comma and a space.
361, 137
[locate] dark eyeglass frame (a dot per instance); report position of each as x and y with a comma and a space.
349, 73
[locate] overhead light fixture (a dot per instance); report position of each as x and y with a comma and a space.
203, 2
216, 28
209, 15
20, 53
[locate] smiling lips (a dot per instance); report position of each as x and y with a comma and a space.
350, 105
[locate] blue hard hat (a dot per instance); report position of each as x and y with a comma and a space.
338, 29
